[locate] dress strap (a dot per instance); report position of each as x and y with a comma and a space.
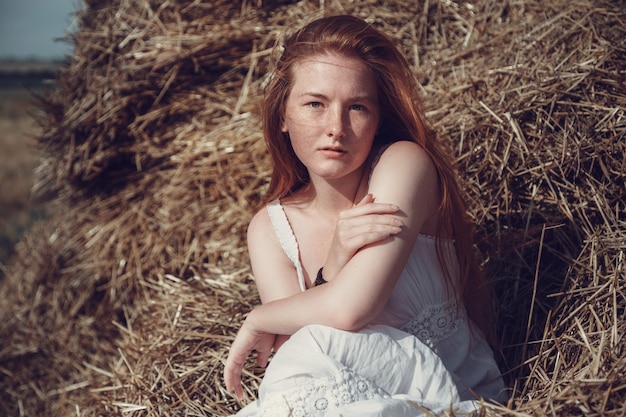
286, 237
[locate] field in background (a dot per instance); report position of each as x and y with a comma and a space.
18, 156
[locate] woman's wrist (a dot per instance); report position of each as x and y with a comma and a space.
263, 318
251, 321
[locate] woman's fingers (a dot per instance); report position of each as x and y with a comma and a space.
263, 347
370, 208
372, 219
232, 374
246, 341
364, 224
369, 198
374, 214
237, 356
359, 236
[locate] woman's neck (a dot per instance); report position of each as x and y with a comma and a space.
329, 198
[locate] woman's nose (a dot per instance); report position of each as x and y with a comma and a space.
336, 124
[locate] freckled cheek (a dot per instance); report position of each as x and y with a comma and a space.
302, 136
365, 126
295, 119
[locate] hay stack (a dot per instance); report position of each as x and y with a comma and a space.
125, 302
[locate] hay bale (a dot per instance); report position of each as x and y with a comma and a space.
580, 366
142, 193
126, 301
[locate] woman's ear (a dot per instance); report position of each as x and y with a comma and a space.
283, 126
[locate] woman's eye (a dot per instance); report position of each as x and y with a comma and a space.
314, 104
358, 107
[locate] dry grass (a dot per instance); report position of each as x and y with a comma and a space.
18, 209
126, 301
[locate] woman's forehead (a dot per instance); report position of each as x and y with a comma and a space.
328, 68
337, 60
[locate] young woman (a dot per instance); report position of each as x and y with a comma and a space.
363, 259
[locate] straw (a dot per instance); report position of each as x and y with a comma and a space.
125, 301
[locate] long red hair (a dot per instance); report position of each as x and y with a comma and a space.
402, 119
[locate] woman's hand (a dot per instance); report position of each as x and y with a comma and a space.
248, 339
366, 223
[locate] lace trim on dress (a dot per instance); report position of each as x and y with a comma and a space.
287, 239
436, 323
321, 395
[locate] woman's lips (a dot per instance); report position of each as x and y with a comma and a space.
331, 152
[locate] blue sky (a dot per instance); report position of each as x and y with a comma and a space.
28, 27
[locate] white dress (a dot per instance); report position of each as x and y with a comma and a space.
419, 354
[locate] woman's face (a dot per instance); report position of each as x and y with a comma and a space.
332, 115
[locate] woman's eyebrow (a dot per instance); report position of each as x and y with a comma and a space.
313, 94
360, 97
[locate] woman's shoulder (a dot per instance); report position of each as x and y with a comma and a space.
261, 223
406, 176
271, 216
403, 157
401, 147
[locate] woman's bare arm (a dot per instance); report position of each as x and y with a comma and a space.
404, 176
274, 274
